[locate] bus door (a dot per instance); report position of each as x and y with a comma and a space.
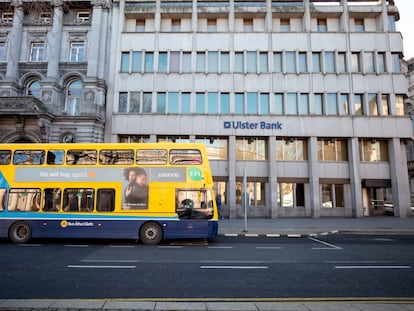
194, 208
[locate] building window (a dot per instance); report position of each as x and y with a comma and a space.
291, 104
331, 104
7, 17
176, 25
34, 89
2, 51
381, 62
173, 102
373, 150
186, 62
174, 61
131, 62
359, 25
355, 62
211, 25
83, 16
329, 62
345, 103
200, 103
322, 25
316, 62
277, 62
77, 51
290, 195
318, 104
74, 98
369, 62
391, 23
149, 62
251, 148
201, 62
217, 147
135, 102
285, 25
225, 62
290, 62
303, 62
251, 62
385, 108
238, 62
37, 50
330, 149
248, 25
358, 105
212, 103
291, 149
341, 62
278, 104
255, 193
332, 196
140, 25
372, 104
161, 103
304, 104
396, 66
147, 103
399, 105
186, 103
123, 102
162, 62
212, 61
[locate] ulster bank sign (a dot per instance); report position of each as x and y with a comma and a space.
245, 125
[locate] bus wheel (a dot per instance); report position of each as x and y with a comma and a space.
20, 232
150, 233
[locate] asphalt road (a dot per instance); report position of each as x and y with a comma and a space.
328, 266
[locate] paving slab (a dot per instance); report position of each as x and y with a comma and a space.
281, 306
9, 304
78, 304
231, 306
182, 306
128, 305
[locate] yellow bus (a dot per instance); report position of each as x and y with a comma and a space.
150, 191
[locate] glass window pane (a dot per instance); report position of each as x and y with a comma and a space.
174, 61
399, 105
225, 62
278, 103
200, 103
212, 103
355, 63
186, 103
331, 104
264, 66
318, 102
147, 102
277, 62
213, 61
173, 102
291, 104
162, 62
136, 61
345, 103
358, 105
251, 59
149, 62
239, 103
134, 104
303, 62
161, 103
381, 62
186, 65
251, 103
225, 103
329, 62
341, 62
238, 62
316, 62
384, 105
201, 62
125, 57
264, 103
372, 104
304, 104
369, 62
290, 62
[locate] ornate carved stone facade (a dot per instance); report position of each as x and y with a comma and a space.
51, 82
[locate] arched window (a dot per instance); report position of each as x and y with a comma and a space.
33, 89
74, 98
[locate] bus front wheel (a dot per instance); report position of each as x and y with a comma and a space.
20, 232
150, 233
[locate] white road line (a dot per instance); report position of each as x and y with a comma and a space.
234, 267
74, 245
221, 247
269, 247
171, 246
111, 260
251, 235
294, 235
30, 245
330, 246
273, 235
122, 246
100, 267
231, 234
372, 267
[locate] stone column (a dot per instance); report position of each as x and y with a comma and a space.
231, 195
399, 177
54, 41
355, 179
314, 186
274, 208
15, 42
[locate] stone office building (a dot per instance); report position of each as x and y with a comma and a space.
52, 73
305, 98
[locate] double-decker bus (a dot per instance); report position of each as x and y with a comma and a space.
150, 192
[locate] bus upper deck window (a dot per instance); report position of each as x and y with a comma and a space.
151, 156
28, 157
5, 157
55, 157
110, 157
82, 157
185, 156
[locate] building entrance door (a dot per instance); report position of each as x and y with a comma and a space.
377, 197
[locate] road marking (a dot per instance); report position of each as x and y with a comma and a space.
234, 267
294, 235
122, 246
76, 245
111, 260
100, 267
231, 234
251, 235
269, 247
372, 267
273, 235
330, 246
221, 247
29, 245
170, 246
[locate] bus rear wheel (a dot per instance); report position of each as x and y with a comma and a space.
20, 232
150, 233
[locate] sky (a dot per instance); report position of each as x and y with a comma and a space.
404, 25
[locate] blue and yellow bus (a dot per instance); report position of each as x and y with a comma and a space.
150, 192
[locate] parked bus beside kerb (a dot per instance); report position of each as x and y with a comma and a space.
150, 192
